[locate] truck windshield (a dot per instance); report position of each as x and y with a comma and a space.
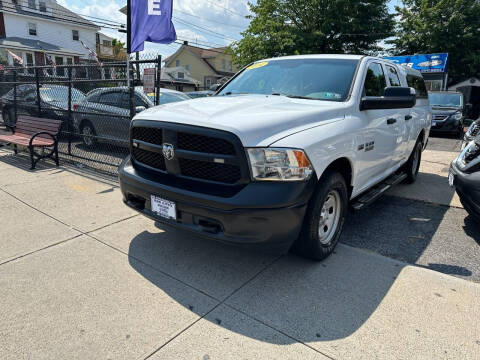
446, 100
316, 79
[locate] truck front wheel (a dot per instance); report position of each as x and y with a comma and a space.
324, 219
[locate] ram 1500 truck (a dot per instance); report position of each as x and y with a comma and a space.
279, 154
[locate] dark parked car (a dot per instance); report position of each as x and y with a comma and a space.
53, 99
472, 133
104, 115
465, 177
448, 112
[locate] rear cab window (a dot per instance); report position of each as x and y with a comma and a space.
375, 82
393, 76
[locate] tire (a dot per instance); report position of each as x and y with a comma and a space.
325, 217
88, 133
412, 167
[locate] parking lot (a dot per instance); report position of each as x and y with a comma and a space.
83, 276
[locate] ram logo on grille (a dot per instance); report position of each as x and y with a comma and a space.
168, 151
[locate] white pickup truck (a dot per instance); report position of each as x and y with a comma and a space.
279, 154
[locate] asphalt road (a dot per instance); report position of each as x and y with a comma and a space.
444, 143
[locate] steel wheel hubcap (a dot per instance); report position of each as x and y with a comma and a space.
329, 217
87, 133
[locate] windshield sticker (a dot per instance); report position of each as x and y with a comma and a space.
150, 94
257, 65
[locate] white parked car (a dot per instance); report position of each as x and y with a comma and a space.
276, 158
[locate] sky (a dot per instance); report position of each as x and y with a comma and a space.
215, 22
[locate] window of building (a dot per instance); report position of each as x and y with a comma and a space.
230, 66
224, 64
42, 6
393, 76
181, 75
75, 35
418, 84
375, 82
208, 82
32, 4
187, 67
59, 62
32, 29
177, 63
107, 43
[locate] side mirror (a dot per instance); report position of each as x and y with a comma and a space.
395, 97
139, 109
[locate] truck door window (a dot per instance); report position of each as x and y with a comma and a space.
393, 76
418, 84
375, 83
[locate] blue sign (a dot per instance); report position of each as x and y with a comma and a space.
426, 63
151, 20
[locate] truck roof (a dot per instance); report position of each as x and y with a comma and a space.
317, 56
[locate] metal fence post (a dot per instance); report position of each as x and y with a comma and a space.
15, 95
131, 90
159, 79
37, 82
70, 117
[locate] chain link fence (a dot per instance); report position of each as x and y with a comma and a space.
92, 100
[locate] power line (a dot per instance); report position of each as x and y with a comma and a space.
211, 20
226, 9
210, 32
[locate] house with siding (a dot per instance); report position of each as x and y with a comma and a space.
207, 66
36, 30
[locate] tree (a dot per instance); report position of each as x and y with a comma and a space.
118, 46
289, 27
453, 26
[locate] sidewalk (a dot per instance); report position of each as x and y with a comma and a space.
84, 277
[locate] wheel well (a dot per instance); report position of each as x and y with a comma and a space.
344, 167
83, 123
421, 137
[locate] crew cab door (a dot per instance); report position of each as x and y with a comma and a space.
376, 142
400, 119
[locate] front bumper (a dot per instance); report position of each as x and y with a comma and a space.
265, 215
447, 126
468, 189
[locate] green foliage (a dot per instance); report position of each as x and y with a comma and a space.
453, 26
3, 60
289, 27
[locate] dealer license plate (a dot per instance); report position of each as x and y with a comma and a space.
451, 179
164, 208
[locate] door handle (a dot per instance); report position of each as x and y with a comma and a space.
391, 121
408, 117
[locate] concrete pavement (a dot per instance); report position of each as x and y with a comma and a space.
82, 276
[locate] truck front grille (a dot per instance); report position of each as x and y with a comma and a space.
200, 154
440, 117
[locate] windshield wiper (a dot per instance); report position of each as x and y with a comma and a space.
294, 96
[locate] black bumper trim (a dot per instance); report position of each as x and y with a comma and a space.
261, 215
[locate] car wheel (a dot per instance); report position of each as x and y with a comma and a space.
412, 167
88, 134
324, 219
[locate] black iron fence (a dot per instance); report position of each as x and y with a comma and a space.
93, 101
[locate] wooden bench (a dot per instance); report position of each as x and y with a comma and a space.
35, 132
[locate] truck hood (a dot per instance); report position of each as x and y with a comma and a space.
258, 120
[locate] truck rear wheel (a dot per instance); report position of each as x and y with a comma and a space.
412, 166
324, 219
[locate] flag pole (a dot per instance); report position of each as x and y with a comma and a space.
129, 50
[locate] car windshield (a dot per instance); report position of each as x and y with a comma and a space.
318, 79
59, 93
445, 100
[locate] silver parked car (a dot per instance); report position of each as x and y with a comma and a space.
104, 115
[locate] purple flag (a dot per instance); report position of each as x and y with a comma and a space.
151, 20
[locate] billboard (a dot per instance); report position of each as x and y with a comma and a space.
426, 63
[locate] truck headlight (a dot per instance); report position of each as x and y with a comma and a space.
276, 164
